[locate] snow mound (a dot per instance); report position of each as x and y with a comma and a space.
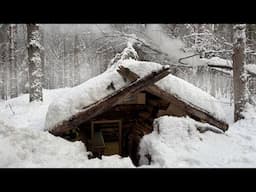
30, 148
251, 68
179, 144
218, 61
76, 98
20, 113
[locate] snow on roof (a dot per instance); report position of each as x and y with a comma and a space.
76, 98
191, 94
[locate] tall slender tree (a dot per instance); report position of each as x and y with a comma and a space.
2, 72
42, 56
13, 60
4, 61
239, 73
65, 62
34, 59
76, 62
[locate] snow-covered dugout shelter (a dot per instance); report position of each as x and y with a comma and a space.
111, 112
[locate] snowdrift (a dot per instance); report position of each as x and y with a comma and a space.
176, 142
30, 148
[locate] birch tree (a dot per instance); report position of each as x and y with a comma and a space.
239, 73
35, 68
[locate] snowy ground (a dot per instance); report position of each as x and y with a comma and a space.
23, 143
179, 144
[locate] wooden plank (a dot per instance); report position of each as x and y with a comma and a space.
139, 98
193, 111
108, 102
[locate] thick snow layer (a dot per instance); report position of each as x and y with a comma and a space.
192, 94
251, 68
20, 113
218, 61
23, 143
75, 99
30, 148
179, 144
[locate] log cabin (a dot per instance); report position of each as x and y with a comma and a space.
115, 122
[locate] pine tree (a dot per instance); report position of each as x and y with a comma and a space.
13, 60
42, 55
239, 73
35, 68
4, 62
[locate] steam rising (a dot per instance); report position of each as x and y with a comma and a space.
172, 47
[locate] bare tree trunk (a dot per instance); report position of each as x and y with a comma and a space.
34, 59
3, 72
5, 75
239, 73
1, 79
76, 62
66, 69
12, 59
4, 63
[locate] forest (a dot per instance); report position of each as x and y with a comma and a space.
49, 68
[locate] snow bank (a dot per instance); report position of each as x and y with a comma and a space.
20, 113
251, 68
75, 99
179, 144
30, 148
23, 143
218, 61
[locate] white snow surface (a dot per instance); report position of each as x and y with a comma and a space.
251, 68
20, 113
30, 148
180, 145
24, 144
75, 99
218, 61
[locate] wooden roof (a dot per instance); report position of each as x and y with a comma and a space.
136, 85
104, 104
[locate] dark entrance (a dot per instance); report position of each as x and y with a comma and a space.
106, 137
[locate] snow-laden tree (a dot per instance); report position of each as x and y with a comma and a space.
3, 60
34, 59
12, 34
240, 75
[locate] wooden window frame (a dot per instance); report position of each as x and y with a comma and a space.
119, 123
